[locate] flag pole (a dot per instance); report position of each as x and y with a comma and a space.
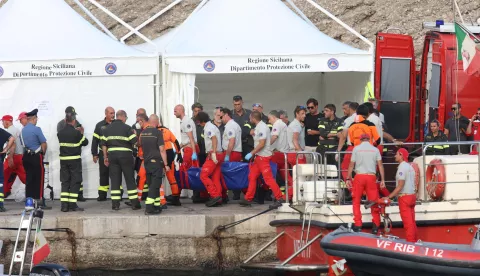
458, 10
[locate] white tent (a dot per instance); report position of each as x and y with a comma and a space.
51, 58
259, 49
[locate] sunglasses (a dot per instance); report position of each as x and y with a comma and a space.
256, 105
454, 108
310, 107
218, 107
302, 107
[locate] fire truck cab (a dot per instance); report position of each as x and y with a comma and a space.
409, 99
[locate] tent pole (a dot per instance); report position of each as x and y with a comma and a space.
164, 10
302, 15
334, 18
105, 10
105, 29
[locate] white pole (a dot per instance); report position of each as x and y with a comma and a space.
302, 15
334, 18
105, 29
167, 8
458, 10
105, 10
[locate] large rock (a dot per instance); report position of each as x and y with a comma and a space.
366, 16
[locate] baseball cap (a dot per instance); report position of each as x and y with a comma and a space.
70, 110
403, 152
7, 118
364, 137
22, 115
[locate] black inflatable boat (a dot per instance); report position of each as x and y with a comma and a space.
371, 255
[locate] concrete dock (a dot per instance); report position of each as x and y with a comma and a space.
127, 239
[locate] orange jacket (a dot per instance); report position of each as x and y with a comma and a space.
169, 138
362, 126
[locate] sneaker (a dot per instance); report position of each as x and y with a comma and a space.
278, 203
212, 202
357, 229
245, 203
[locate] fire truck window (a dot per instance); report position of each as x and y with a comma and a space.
434, 90
395, 80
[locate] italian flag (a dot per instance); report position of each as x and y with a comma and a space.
41, 250
468, 51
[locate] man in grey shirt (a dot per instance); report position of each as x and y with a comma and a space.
61, 125
365, 159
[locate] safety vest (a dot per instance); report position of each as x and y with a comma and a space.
368, 92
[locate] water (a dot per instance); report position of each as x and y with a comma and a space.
234, 272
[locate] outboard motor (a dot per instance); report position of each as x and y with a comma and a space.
49, 270
476, 240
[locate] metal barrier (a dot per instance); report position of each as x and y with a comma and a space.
421, 147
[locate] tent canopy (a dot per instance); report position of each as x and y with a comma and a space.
52, 30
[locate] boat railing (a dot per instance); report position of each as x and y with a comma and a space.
470, 144
332, 175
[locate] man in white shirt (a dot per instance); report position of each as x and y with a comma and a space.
232, 137
213, 164
14, 164
279, 144
296, 137
188, 139
373, 118
374, 102
261, 163
352, 111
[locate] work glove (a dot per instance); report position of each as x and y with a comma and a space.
179, 158
227, 158
194, 156
248, 156
214, 157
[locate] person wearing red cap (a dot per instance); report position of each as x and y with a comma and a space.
14, 165
405, 192
22, 118
365, 158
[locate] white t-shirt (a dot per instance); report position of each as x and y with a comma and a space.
382, 118
187, 125
16, 134
280, 129
232, 130
347, 123
378, 125
262, 132
406, 172
296, 127
210, 130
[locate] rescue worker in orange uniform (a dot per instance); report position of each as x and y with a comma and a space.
215, 156
405, 192
261, 164
365, 158
172, 147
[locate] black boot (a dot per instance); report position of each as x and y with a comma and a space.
151, 210
102, 196
278, 203
260, 195
214, 201
236, 194
64, 207
43, 205
72, 206
80, 197
374, 229
245, 203
135, 204
115, 205
357, 229
175, 201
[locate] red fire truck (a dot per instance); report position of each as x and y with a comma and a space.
410, 98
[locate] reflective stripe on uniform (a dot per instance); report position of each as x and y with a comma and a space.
157, 201
132, 194
321, 126
116, 195
71, 145
119, 149
123, 138
149, 200
64, 197
70, 157
247, 125
96, 136
103, 188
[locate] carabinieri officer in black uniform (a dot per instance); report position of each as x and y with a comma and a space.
154, 158
118, 141
71, 141
35, 147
